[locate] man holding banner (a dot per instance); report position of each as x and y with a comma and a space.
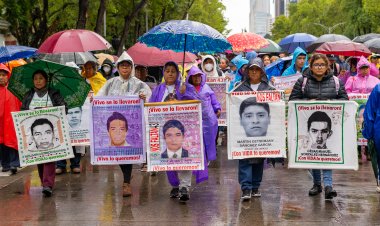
319, 84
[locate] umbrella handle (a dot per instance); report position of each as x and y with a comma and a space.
183, 61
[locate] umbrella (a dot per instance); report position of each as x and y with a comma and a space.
185, 35
8, 53
152, 56
291, 42
73, 41
272, 48
102, 56
373, 153
278, 67
366, 37
325, 38
67, 80
345, 48
62, 58
246, 41
373, 45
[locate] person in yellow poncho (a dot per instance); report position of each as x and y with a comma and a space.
95, 78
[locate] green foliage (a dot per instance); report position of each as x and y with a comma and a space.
318, 17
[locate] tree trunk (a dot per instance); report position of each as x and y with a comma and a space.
100, 18
82, 14
42, 28
127, 24
189, 5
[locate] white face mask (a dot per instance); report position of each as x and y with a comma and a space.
106, 69
209, 67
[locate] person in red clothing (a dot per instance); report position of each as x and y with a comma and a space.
8, 140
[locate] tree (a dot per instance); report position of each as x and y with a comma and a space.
82, 14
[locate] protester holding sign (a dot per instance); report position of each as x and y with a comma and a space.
126, 84
253, 113
8, 141
319, 84
42, 96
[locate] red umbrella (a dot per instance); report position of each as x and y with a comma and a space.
243, 42
152, 56
74, 41
345, 48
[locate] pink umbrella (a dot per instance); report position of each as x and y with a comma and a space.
345, 48
152, 56
243, 42
74, 41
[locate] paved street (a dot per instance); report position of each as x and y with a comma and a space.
94, 198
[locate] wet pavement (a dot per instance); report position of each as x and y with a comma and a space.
94, 198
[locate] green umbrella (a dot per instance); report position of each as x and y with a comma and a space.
71, 85
272, 48
373, 154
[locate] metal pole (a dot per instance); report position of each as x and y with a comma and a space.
104, 24
146, 20
184, 55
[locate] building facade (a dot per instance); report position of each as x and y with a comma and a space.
259, 17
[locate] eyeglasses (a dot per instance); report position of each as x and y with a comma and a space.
319, 66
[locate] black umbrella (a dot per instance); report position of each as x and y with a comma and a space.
325, 38
366, 37
373, 45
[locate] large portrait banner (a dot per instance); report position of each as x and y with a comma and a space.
79, 123
117, 130
322, 135
42, 135
174, 136
256, 122
361, 99
219, 86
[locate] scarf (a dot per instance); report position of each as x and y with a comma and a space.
41, 92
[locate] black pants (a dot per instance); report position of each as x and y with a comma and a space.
9, 157
127, 172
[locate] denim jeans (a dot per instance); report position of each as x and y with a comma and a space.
327, 177
9, 157
250, 174
74, 162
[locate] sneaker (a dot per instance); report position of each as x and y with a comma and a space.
330, 193
174, 193
315, 190
5, 169
184, 194
127, 191
13, 169
256, 193
47, 191
246, 195
59, 171
75, 170
378, 189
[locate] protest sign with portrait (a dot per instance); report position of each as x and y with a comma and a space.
256, 122
79, 124
361, 99
117, 130
174, 136
322, 135
285, 83
219, 86
42, 135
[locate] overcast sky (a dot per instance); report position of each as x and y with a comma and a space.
237, 13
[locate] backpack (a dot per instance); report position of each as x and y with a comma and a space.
336, 80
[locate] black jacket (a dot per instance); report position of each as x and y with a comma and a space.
185, 154
55, 97
246, 86
320, 90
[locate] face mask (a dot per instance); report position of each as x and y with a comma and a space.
209, 67
106, 69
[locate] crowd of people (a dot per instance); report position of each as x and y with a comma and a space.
323, 78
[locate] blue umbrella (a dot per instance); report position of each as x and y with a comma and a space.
8, 53
276, 68
291, 42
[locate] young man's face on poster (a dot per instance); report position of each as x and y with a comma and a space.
255, 121
43, 136
174, 139
117, 132
74, 116
319, 133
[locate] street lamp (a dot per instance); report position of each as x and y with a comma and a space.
329, 29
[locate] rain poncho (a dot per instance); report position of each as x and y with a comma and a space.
371, 115
361, 83
96, 82
210, 106
214, 72
119, 86
239, 61
374, 71
8, 103
157, 95
291, 70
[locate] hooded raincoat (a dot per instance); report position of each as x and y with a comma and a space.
291, 70
214, 72
361, 83
374, 71
8, 103
118, 86
96, 82
210, 106
109, 63
371, 130
239, 61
